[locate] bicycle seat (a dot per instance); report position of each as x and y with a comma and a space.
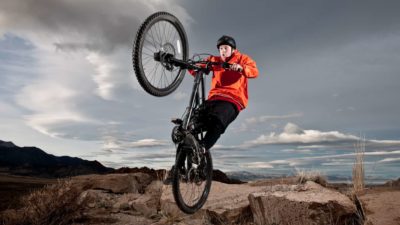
177, 121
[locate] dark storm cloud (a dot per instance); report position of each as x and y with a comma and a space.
94, 25
310, 51
286, 24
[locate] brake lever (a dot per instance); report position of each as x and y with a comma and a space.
226, 65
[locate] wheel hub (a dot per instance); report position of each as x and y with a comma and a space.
168, 48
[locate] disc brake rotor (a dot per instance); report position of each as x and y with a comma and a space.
168, 48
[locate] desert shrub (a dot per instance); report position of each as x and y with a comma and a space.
358, 167
54, 204
303, 176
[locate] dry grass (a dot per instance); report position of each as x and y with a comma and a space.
303, 176
54, 204
358, 167
168, 219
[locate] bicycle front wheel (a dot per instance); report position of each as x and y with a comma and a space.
191, 183
160, 32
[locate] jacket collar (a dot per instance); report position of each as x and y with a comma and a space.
234, 56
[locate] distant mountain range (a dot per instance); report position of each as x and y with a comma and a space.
32, 161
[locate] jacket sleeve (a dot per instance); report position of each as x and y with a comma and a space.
249, 67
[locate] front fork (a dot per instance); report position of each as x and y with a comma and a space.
184, 138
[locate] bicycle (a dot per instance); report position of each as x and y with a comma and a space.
160, 60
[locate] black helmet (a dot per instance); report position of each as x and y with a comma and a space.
226, 40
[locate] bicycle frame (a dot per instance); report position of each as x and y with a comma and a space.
195, 99
198, 92
197, 96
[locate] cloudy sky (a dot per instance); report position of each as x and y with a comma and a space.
329, 76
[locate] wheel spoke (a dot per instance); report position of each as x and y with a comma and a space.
152, 43
159, 33
154, 39
151, 56
155, 71
169, 32
146, 61
149, 44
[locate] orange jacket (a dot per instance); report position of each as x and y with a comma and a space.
231, 85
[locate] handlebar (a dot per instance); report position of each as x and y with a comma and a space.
169, 60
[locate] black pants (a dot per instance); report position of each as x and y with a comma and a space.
219, 114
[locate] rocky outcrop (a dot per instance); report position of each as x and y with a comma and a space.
156, 174
307, 203
220, 176
115, 183
139, 198
393, 183
132, 198
226, 202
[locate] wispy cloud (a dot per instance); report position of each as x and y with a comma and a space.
389, 160
297, 150
267, 118
338, 159
293, 134
111, 144
146, 143
103, 76
224, 147
253, 121
257, 165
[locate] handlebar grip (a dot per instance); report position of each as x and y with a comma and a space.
225, 65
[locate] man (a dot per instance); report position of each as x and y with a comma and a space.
228, 94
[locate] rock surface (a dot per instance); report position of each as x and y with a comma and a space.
138, 198
116, 183
307, 203
226, 202
132, 198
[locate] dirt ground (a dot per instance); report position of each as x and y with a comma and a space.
382, 205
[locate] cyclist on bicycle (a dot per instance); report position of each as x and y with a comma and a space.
228, 94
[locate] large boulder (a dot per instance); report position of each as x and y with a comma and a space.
226, 202
120, 198
308, 203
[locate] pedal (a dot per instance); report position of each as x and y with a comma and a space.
177, 121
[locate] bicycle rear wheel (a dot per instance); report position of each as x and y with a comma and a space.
191, 188
160, 32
